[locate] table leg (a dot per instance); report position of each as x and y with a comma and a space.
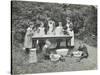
34, 43
68, 43
58, 44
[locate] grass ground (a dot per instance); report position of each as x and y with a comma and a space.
21, 66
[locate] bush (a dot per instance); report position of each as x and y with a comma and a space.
83, 17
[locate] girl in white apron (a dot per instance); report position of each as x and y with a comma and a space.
28, 38
71, 33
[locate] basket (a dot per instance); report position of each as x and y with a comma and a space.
54, 57
32, 56
77, 53
62, 52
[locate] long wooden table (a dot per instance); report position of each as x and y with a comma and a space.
55, 37
51, 36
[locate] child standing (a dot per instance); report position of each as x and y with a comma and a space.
28, 38
71, 33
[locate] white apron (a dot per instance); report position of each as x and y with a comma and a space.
28, 38
71, 33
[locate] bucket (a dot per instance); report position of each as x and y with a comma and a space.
32, 56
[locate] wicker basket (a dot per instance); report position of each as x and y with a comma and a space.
33, 56
62, 52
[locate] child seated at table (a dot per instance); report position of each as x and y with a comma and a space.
59, 29
41, 29
51, 26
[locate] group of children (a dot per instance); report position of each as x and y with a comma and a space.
52, 29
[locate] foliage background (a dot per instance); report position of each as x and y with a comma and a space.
84, 18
